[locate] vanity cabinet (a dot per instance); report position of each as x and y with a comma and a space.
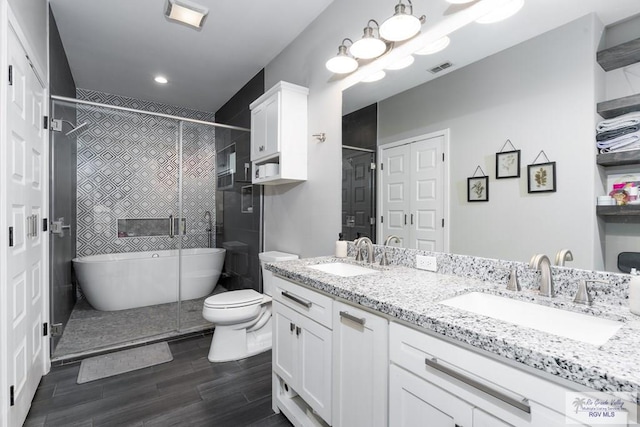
279, 135
360, 342
302, 350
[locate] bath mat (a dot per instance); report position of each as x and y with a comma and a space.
108, 365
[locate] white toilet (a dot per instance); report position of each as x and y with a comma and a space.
242, 318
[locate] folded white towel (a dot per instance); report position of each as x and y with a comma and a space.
619, 144
629, 119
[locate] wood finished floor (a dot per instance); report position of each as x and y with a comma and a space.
188, 391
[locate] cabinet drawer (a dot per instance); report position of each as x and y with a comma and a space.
310, 303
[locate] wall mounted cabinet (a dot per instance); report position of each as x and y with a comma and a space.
279, 135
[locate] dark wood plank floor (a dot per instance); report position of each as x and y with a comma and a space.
189, 391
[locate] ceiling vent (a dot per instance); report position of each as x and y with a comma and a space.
441, 67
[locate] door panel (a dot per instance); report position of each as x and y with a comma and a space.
358, 188
395, 193
285, 346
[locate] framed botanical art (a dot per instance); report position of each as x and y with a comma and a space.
478, 189
508, 164
541, 177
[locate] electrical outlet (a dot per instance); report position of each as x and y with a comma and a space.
426, 263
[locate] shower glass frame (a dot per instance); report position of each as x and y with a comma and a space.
180, 123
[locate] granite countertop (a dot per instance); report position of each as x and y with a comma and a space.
413, 296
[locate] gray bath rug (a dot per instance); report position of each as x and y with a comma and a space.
108, 365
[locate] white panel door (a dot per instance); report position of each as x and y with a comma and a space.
427, 201
395, 187
24, 168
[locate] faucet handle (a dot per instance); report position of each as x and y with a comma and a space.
514, 282
583, 296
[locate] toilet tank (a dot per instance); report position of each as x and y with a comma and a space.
267, 276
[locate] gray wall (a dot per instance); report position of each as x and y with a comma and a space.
128, 169
540, 95
62, 188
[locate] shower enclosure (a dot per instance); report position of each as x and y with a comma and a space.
130, 181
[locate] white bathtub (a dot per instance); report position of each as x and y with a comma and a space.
127, 280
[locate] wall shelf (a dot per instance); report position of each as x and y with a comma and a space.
620, 214
619, 106
620, 158
619, 56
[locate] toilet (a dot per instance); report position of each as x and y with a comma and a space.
242, 318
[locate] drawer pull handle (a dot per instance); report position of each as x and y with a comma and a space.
358, 320
294, 298
522, 405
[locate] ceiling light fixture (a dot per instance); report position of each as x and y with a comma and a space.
369, 46
378, 75
161, 79
186, 12
502, 12
434, 47
402, 25
342, 63
402, 63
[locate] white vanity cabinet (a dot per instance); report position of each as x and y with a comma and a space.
302, 351
361, 361
279, 135
436, 383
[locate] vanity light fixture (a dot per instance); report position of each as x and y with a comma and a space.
186, 12
161, 80
402, 25
401, 63
502, 13
342, 63
435, 46
378, 75
369, 46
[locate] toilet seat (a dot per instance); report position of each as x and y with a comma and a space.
234, 299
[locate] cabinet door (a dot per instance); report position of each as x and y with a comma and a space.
415, 402
361, 363
314, 342
285, 345
272, 140
258, 131
482, 419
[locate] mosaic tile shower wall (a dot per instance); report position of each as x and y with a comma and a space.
128, 169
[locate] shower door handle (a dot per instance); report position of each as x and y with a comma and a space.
171, 225
58, 227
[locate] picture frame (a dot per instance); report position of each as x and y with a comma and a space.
541, 177
478, 189
508, 164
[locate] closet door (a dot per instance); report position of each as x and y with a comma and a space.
426, 230
395, 185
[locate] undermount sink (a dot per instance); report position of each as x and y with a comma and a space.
343, 270
568, 324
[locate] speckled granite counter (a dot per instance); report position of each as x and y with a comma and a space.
413, 296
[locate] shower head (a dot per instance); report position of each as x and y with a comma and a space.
75, 129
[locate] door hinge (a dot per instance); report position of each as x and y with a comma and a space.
45, 329
372, 220
443, 222
373, 166
56, 329
45, 122
10, 75
45, 224
10, 236
381, 219
381, 166
443, 157
12, 397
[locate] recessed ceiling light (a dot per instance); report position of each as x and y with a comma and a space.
186, 12
160, 79
401, 63
502, 12
379, 75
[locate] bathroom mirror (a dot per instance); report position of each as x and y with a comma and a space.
539, 93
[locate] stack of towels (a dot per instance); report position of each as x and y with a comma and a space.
621, 133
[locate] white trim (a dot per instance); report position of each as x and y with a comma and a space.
446, 185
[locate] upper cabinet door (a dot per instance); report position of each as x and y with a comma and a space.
265, 128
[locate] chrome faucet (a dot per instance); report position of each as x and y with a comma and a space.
562, 256
369, 243
541, 262
207, 217
384, 260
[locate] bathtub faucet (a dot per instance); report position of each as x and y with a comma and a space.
207, 217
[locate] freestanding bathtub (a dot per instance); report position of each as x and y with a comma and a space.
113, 282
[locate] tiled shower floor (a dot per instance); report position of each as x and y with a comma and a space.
91, 331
